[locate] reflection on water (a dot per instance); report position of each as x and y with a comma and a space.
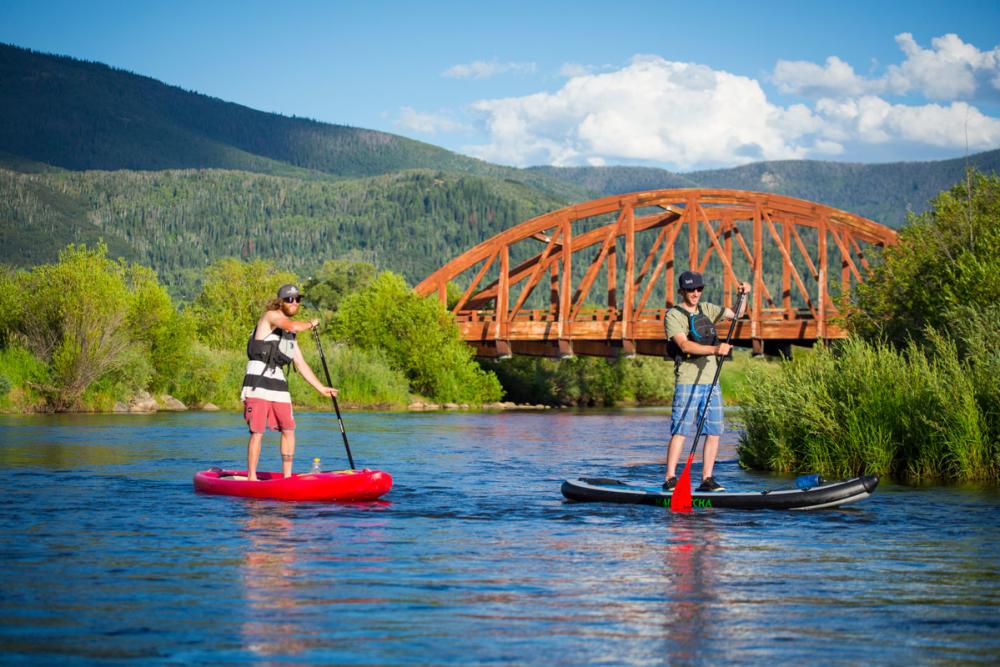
692, 569
106, 554
269, 582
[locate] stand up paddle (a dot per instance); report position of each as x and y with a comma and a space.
680, 499
336, 407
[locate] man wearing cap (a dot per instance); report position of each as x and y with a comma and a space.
266, 401
696, 348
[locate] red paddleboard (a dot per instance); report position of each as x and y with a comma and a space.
343, 485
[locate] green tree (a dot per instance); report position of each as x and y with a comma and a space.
165, 335
10, 302
232, 299
418, 337
336, 279
946, 259
77, 320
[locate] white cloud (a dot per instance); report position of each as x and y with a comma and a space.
837, 78
950, 70
427, 123
681, 114
688, 115
872, 120
570, 70
481, 69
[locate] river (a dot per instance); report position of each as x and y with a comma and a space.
110, 557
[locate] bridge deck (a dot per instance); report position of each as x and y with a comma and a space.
601, 332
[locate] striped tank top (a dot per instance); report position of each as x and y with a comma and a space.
270, 384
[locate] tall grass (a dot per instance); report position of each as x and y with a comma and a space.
363, 378
20, 373
867, 408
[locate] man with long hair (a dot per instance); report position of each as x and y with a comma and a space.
266, 401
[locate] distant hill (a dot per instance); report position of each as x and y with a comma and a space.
81, 115
882, 192
179, 221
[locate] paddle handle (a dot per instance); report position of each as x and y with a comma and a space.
336, 406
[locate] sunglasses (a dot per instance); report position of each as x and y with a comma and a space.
695, 289
292, 299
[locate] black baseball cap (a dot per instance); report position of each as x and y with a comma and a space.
286, 291
690, 280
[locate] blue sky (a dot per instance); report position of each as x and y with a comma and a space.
649, 83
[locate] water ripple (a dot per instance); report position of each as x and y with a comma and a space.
109, 556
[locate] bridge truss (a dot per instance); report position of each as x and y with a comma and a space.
597, 278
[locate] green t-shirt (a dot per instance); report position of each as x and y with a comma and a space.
698, 369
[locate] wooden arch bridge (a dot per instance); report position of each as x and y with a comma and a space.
801, 258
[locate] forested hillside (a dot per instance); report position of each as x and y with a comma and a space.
81, 115
179, 221
881, 192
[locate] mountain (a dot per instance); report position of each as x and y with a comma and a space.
179, 221
881, 192
80, 115
176, 179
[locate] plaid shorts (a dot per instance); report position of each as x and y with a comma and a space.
689, 400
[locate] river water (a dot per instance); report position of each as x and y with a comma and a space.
110, 557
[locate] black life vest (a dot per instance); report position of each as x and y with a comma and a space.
269, 351
701, 330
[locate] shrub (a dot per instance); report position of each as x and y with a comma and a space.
585, 381
417, 337
946, 259
76, 321
336, 279
24, 373
233, 298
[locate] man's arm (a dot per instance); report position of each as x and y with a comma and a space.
728, 314
690, 347
278, 320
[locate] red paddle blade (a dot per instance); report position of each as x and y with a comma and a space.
680, 501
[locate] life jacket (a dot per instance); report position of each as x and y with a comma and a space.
701, 330
269, 351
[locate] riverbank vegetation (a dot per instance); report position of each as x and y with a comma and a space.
913, 394
89, 332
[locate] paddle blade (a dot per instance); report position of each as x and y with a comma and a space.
680, 501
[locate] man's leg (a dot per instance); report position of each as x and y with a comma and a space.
714, 426
253, 455
711, 451
681, 414
674, 454
287, 452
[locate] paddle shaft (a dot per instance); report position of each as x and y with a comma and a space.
336, 407
715, 380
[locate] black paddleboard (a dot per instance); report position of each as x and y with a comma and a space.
829, 494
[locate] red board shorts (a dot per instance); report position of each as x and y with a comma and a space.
261, 414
